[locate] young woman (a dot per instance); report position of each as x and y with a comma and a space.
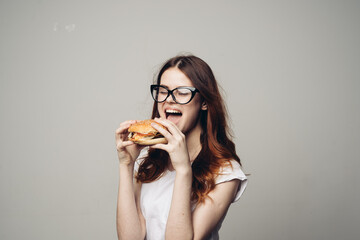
182, 189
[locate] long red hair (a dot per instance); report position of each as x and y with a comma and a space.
217, 147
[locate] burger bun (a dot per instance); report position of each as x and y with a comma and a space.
143, 133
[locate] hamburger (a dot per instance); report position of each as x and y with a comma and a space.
143, 133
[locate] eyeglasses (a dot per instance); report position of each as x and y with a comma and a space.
181, 95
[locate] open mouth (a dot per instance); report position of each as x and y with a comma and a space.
173, 115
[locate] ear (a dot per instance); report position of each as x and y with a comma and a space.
204, 106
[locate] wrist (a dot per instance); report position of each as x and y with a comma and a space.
184, 170
127, 165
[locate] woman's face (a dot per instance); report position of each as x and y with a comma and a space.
185, 116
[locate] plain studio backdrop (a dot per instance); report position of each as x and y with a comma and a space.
72, 70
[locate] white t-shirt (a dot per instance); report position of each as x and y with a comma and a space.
155, 199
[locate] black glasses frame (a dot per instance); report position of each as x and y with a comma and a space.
170, 92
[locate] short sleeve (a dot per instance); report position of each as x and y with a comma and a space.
143, 154
231, 172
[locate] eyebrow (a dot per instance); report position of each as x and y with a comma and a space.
173, 88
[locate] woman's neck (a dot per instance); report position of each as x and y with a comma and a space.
193, 142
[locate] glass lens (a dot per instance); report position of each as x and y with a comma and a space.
182, 95
159, 93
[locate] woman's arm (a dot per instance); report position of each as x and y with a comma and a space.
182, 224
129, 221
179, 224
207, 215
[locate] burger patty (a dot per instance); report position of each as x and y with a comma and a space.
138, 136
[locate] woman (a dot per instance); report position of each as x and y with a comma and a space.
182, 189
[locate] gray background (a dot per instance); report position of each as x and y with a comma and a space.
71, 71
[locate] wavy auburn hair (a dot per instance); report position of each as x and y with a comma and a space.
217, 147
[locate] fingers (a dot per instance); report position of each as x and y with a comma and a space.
159, 146
121, 133
176, 146
161, 130
172, 128
175, 138
123, 144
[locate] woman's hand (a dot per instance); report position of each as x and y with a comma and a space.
130, 222
127, 150
176, 146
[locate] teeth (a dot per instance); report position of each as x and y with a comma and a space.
172, 111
